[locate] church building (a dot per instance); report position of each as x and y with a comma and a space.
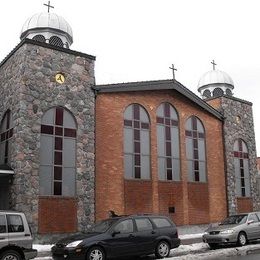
72, 150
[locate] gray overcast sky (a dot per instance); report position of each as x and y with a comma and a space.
135, 40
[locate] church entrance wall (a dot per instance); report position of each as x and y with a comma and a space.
185, 201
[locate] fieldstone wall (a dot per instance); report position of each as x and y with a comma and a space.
28, 88
239, 123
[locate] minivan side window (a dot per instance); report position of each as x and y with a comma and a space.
161, 222
143, 224
125, 226
2, 224
15, 223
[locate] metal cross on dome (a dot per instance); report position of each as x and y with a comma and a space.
214, 64
173, 70
49, 6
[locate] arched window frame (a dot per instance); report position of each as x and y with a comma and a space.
58, 153
241, 165
55, 40
196, 150
168, 145
6, 133
136, 142
39, 38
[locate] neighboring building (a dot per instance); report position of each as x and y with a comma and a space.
70, 151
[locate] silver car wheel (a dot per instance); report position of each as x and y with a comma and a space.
10, 255
163, 249
242, 239
96, 255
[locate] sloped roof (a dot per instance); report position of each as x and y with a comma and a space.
158, 85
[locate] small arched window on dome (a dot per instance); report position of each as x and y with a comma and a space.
207, 93
55, 40
228, 92
39, 38
218, 92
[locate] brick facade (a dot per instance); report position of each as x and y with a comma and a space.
113, 192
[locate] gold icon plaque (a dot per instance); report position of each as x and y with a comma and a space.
59, 77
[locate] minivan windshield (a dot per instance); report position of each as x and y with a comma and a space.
102, 226
235, 219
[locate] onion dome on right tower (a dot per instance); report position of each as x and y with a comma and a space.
215, 83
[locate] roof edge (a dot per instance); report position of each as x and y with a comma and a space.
46, 45
157, 85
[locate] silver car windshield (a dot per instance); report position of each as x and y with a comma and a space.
235, 219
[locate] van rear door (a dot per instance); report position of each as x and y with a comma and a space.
3, 231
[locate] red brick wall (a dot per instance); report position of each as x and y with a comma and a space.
57, 215
198, 197
171, 195
111, 191
138, 197
244, 205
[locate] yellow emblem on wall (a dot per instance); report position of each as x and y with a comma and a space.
59, 77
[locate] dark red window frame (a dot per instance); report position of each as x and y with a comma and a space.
6, 135
195, 135
240, 154
137, 125
167, 122
58, 131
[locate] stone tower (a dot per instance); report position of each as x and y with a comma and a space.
47, 129
216, 88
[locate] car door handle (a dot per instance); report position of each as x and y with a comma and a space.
153, 232
2, 238
26, 235
131, 235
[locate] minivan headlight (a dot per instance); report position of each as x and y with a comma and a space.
227, 231
74, 243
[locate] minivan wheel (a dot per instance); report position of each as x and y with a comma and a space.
241, 239
162, 249
96, 253
10, 255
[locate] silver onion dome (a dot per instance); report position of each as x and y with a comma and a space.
215, 83
48, 27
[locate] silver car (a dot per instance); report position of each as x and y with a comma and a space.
237, 229
15, 237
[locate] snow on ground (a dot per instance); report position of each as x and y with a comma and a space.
42, 248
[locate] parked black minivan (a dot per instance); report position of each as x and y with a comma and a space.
134, 235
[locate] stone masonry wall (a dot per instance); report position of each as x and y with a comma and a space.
28, 88
234, 129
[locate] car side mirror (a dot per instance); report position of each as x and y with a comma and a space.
250, 222
115, 233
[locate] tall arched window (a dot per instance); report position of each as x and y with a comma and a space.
136, 143
168, 143
6, 133
241, 169
195, 149
58, 153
